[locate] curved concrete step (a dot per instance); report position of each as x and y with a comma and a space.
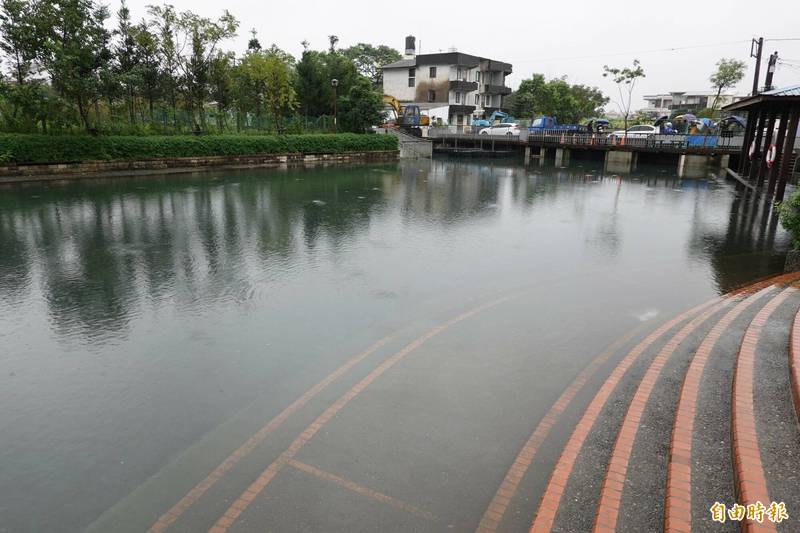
674, 427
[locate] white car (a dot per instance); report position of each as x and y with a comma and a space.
501, 129
637, 132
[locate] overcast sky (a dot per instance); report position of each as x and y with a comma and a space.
559, 38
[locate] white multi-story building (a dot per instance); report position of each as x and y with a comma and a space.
452, 87
687, 101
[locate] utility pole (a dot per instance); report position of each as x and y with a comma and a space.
759, 45
773, 59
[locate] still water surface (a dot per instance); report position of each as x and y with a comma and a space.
140, 317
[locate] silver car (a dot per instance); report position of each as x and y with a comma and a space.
501, 129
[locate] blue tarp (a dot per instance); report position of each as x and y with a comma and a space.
701, 140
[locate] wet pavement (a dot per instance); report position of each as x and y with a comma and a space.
352, 349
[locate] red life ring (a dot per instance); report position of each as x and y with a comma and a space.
752, 151
770, 155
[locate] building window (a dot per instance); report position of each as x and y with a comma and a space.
412, 72
478, 76
432, 72
431, 96
483, 100
476, 99
488, 100
458, 97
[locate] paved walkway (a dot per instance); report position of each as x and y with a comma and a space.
665, 426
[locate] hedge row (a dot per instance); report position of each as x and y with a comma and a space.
19, 148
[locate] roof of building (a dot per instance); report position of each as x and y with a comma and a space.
687, 93
450, 58
792, 90
403, 63
789, 95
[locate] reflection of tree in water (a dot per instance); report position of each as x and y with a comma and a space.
747, 242
15, 260
103, 248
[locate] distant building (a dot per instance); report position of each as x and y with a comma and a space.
687, 101
451, 87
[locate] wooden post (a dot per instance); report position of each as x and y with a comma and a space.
759, 135
776, 167
752, 118
763, 168
788, 148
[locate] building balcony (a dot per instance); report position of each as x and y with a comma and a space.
497, 89
463, 109
463, 85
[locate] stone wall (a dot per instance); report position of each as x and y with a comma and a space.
171, 165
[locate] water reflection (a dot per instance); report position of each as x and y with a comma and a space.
96, 251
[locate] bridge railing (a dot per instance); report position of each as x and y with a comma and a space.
676, 142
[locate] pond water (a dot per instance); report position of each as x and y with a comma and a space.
145, 320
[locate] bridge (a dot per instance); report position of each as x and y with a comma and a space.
692, 153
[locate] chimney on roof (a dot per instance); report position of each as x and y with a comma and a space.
411, 46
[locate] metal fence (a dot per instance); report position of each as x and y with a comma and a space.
675, 142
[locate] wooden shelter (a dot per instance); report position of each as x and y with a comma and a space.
765, 111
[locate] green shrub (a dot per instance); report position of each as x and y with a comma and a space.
790, 217
21, 148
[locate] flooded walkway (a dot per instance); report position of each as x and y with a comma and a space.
393, 348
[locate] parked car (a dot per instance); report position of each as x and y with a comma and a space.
637, 132
501, 129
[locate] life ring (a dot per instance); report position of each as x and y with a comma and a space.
770, 155
752, 151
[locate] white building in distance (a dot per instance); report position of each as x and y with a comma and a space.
451, 87
686, 101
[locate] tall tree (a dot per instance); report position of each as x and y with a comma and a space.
221, 81
165, 22
126, 59
729, 72
19, 39
75, 50
625, 78
147, 48
369, 59
361, 107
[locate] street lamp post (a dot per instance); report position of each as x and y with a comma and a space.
335, 85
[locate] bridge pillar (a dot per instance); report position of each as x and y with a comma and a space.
621, 161
542, 154
527, 155
562, 157
693, 166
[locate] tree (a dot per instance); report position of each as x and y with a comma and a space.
221, 85
625, 78
204, 35
361, 107
369, 59
266, 86
729, 72
314, 72
147, 49
253, 45
569, 103
75, 49
18, 37
126, 55
165, 23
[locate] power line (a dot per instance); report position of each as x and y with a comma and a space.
634, 52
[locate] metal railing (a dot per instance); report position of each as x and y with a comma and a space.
672, 142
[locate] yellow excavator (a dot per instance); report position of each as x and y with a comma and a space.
408, 117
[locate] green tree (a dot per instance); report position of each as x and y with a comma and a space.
625, 78
147, 47
729, 72
165, 22
314, 72
126, 59
369, 59
569, 103
75, 49
361, 107
19, 39
221, 83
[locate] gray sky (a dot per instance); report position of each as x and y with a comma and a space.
572, 38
